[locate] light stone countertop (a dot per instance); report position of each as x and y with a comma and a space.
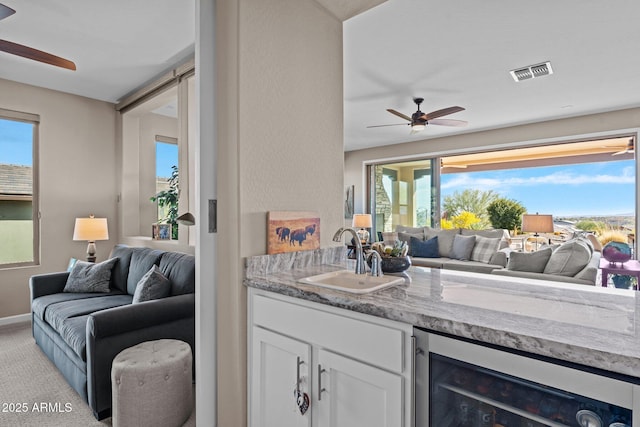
591, 326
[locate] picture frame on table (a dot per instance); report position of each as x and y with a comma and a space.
161, 231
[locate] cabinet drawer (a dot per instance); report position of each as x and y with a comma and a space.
375, 344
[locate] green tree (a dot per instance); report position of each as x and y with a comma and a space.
506, 213
591, 225
169, 199
474, 201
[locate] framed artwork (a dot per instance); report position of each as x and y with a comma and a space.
348, 201
291, 231
161, 231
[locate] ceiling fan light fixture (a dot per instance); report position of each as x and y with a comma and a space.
531, 71
417, 127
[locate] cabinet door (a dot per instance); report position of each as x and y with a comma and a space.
354, 394
276, 361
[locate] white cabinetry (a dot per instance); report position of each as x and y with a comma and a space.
356, 369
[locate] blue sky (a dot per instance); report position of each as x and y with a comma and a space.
568, 190
166, 156
15, 142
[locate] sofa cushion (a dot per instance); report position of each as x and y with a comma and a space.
120, 271
532, 262
142, 259
40, 304
484, 248
74, 332
428, 262
424, 248
56, 314
445, 240
470, 266
406, 237
153, 285
90, 277
419, 231
462, 247
571, 257
180, 269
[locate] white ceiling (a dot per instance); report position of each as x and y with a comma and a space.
117, 45
450, 53
460, 53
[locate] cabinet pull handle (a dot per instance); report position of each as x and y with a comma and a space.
414, 353
320, 389
298, 363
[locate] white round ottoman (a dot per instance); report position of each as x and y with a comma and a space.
151, 384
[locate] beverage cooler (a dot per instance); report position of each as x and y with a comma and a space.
463, 384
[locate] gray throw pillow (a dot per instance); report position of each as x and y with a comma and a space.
445, 240
416, 231
532, 262
153, 285
90, 277
462, 247
484, 249
571, 257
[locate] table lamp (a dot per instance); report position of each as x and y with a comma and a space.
91, 229
362, 221
537, 224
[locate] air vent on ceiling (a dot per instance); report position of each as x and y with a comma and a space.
531, 71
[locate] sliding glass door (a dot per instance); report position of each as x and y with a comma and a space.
404, 193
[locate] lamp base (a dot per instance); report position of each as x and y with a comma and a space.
363, 235
91, 252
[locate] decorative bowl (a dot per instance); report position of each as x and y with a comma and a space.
616, 252
393, 264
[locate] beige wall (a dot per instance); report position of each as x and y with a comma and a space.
77, 178
279, 111
622, 121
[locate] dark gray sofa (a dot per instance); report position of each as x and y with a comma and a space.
81, 333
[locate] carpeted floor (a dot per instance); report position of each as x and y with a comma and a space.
32, 391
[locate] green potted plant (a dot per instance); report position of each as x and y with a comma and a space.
169, 199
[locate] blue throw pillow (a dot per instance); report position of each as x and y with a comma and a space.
424, 248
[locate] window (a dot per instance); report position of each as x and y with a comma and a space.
18, 189
166, 167
588, 186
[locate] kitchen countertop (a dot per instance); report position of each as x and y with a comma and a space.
591, 326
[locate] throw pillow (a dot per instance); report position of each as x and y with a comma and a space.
532, 262
153, 285
424, 248
90, 277
462, 247
445, 240
484, 249
571, 257
406, 237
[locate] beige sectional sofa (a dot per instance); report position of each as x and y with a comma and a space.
454, 249
574, 261
487, 251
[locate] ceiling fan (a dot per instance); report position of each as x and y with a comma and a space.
419, 120
29, 52
628, 150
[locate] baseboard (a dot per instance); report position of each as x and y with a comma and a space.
15, 319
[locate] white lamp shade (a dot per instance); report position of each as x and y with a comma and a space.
362, 220
91, 229
537, 223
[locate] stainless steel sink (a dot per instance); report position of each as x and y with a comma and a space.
348, 281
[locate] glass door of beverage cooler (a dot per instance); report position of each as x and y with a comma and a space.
465, 395
470, 385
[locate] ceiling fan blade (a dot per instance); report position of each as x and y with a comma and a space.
448, 122
5, 11
404, 116
381, 126
440, 113
35, 54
